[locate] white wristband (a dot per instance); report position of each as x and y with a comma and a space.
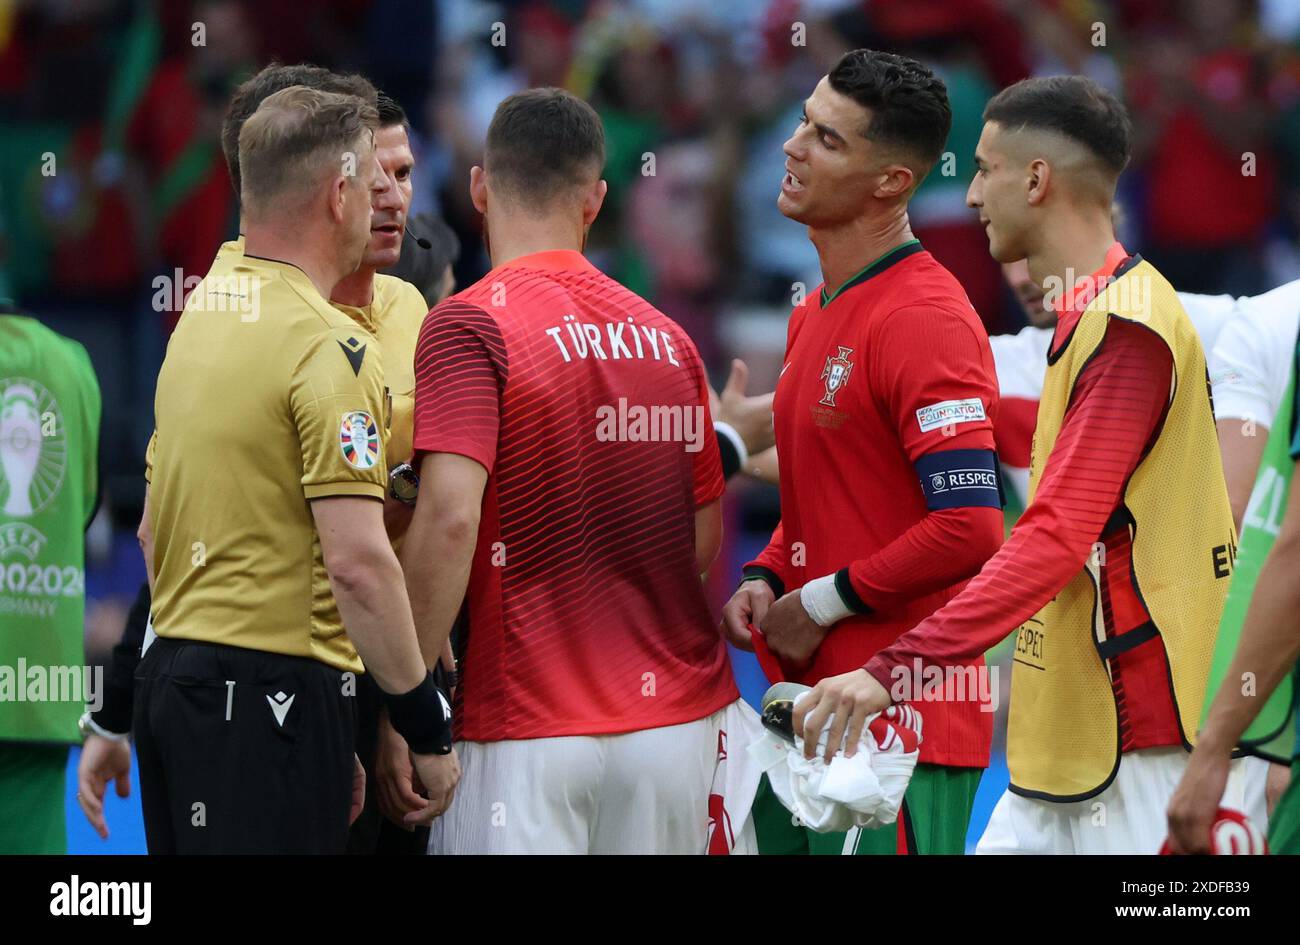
102, 732
822, 600
727, 430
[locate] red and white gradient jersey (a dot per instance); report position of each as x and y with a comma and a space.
589, 410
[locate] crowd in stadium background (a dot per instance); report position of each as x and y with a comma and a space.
702, 95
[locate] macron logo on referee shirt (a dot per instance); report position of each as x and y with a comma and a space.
355, 352
280, 705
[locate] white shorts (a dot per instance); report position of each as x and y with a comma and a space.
1254, 791
638, 792
1128, 817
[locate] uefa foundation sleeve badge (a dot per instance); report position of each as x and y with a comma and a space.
359, 439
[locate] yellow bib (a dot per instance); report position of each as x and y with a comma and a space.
1063, 740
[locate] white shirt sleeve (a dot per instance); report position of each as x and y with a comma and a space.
1251, 360
1021, 361
1209, 313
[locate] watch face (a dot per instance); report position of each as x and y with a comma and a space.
404, 483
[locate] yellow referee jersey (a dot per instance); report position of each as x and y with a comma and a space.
394, 316
269, 397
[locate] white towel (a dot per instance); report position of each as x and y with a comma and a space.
863, 791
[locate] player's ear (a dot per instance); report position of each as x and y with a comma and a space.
1037, 181
897, 181
594, 200
338, 195
478, 188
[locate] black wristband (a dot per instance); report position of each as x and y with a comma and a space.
422, 717
753, 572
730, 458
852, 600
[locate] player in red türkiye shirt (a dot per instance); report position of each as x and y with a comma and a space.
884, 412
590, 714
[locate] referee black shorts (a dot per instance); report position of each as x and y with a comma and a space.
242, 751
373, 833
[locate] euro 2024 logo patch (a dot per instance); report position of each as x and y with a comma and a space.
359, 439
33, 448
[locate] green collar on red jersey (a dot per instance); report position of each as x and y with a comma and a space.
874, 268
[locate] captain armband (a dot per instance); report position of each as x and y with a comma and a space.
953, 479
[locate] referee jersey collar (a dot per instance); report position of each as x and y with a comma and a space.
287, 270
295, 278
567, 260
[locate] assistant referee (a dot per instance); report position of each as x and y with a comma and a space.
264, 520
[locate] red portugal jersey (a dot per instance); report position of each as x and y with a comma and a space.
1117, 409
589, 410
884, 417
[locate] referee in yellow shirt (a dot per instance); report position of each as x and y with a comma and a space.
392, 310
389, 308
265, 530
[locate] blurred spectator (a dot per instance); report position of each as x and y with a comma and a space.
1202, 128
68, 73
174, 137
943, 223
714, 89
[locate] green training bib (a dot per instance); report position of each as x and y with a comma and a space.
49, 447
1270, 736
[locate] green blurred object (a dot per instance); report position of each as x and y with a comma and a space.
1271, 734
32, 783
49, 490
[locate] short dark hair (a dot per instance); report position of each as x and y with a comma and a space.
1070, 105
908, 103
542, 142
390, 113
275, 78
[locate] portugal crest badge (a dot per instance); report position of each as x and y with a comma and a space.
359, 439
836, 374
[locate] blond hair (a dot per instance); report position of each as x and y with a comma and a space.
298, 136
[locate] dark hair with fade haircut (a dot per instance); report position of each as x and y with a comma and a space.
541, 143
1070, 105
276, 78
390, 113
908, 103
